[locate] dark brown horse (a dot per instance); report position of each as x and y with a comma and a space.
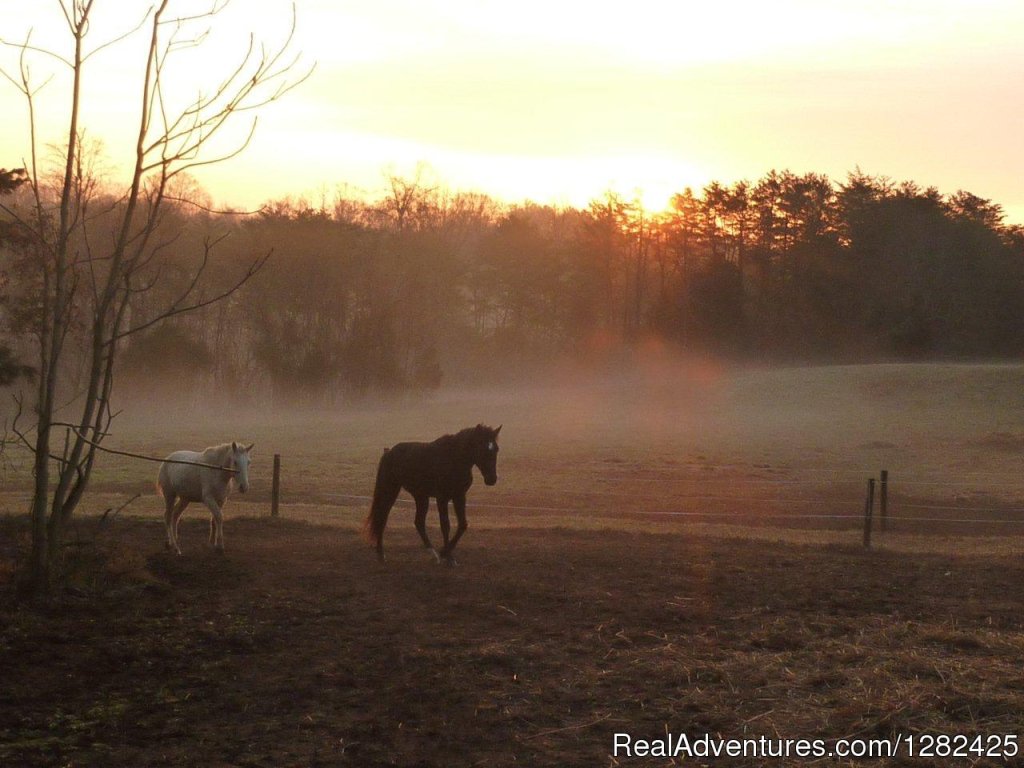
442, 470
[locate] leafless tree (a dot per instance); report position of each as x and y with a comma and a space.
84, 284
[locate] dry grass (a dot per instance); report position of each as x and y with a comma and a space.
298, 649
773, 454
584, 605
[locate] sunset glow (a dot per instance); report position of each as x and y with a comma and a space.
560, 101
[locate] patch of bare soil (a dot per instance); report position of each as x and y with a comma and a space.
297, 648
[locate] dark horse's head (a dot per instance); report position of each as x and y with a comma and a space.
484, 447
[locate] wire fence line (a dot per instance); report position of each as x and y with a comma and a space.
858, 471
753, 492
765, 481
687, 497
856, 507
833, 494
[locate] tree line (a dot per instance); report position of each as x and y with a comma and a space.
423, 286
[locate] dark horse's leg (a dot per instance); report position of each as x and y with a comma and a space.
459, 502
446, 526
422, 506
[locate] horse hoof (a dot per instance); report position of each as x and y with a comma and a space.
451, 562
437, 557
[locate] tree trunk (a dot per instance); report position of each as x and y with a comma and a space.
39, 565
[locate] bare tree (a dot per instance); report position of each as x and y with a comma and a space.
84, 284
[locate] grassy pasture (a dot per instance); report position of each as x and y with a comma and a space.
666, 446
585, 604
298, 649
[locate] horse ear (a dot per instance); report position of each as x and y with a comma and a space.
234, 446
498, 430
250, 447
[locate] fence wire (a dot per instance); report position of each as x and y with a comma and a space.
846, 496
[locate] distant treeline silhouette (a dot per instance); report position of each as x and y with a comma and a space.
10, 237
424, 285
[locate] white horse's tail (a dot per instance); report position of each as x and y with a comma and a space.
162, 480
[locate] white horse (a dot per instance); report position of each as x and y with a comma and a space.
182, 483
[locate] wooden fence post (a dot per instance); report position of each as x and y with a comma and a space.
883, 500
869, 505
275, 489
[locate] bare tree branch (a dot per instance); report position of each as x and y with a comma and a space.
181, 305
216, 8
208, 209
89, 287
26, 46
119, 38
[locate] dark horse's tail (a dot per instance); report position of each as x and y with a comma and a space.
384, 493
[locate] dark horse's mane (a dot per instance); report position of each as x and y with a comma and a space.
460, 438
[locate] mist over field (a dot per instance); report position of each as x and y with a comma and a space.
689, 440
703, 409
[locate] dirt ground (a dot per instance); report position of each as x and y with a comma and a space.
297, 648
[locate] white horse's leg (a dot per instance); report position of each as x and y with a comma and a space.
176, 519
169, 500
216, 524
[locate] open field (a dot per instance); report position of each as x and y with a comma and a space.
656, 556
669, 444
298, 649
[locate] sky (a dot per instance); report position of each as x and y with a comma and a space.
557, 101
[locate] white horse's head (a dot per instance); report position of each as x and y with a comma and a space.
240, 463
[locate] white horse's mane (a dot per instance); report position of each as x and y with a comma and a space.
216, 454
